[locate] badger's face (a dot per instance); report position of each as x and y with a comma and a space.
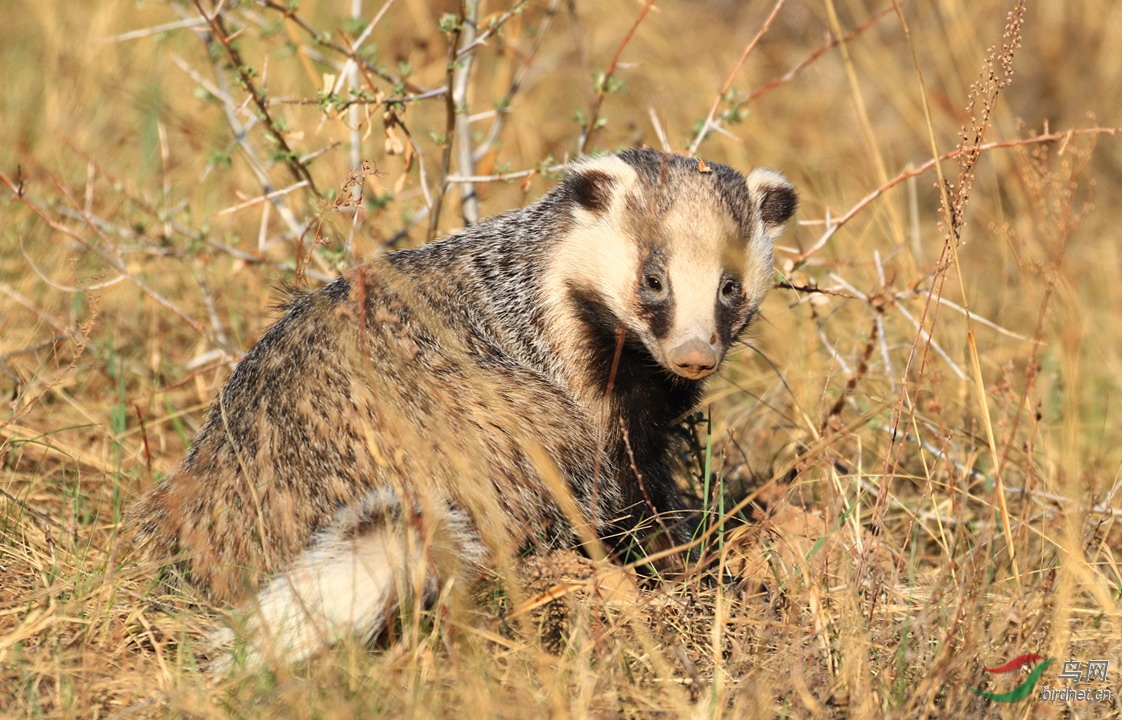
671, 252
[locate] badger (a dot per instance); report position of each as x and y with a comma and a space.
513, 386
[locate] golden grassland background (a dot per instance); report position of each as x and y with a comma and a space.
928, 429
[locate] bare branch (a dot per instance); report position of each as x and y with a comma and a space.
218, 30
108, 258
592, 122
709, 123
835, 225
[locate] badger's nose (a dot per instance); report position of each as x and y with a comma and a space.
694, 359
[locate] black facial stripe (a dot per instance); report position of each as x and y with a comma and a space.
599, 324
658, 316
731, 320
639, 378
656, 305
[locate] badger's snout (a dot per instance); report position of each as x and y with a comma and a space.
694, 358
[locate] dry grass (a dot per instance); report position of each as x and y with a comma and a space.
926, 430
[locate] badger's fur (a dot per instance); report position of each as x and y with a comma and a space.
513, 384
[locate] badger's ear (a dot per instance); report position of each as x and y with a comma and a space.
592, 183
592, 189
774, 197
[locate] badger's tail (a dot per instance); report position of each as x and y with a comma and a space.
378, 555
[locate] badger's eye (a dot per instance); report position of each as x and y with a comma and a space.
730, 289
653, 283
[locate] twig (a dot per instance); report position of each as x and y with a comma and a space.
504, 103
108, 258
218, 30
461, 75
660, 133
854, 376
503, 177
350, 102
929, 339
288, 10
72, 533
837, 224
65, 288
709, 124
261, 198
38, 311
592, 121
211, 306
969, 151
453, 111
36, 346
493, 26
154, 30
797, 69
349, 74
241, 139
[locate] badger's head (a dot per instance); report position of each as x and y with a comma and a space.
671, 252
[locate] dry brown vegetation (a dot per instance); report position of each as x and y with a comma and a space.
923, 428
